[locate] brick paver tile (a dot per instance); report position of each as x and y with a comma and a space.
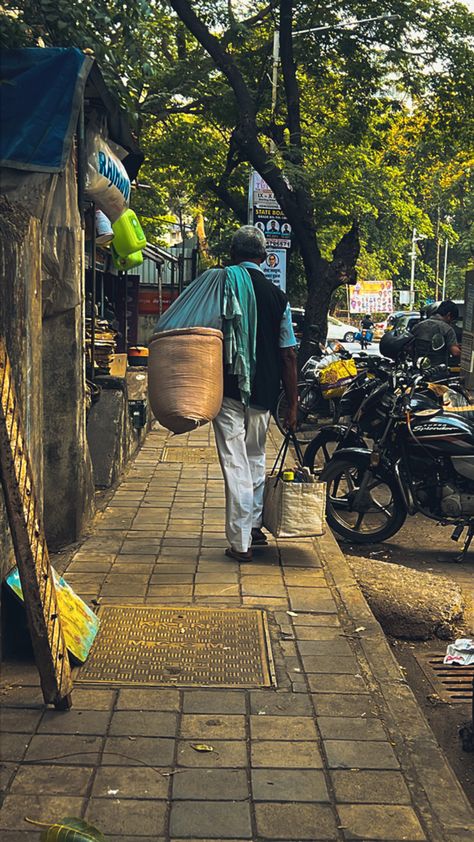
211, 785
295, 822
143, 723
229, 577
286, 755
275, 703
181, 591
220, 589
372, 787
231, 754
74, 750
326, 683
131, 782
358, 754
212, 727
116, 816
331, 649
344, 704
259, 586
153, 751
318, 600
53, 780
339, 665
377, 822
211, 819
21, 720
351, 728
39, 807
282, 728
74, 722
303, 619
289, 785
214, 701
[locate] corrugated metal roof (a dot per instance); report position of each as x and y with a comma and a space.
158, 254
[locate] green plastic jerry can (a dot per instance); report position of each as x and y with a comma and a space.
128, 262
128, 234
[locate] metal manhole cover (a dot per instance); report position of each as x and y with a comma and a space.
204, 647
193, 455
452, 682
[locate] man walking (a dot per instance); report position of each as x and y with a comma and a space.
241, 430
435, 337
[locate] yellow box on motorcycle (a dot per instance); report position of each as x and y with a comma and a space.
336, 377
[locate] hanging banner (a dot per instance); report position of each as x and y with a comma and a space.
266, 214
261, 194
273, 223
371, 297
274, 267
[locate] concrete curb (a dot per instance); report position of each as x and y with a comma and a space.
428, 773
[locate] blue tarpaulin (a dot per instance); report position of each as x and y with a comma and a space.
41, 91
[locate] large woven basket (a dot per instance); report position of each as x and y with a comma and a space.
185, 377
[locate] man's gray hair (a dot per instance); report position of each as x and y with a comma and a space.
248, 242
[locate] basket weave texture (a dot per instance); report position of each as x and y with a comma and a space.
185, 377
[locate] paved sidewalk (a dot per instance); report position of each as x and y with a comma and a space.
339, 751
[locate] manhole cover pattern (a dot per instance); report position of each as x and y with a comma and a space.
140, 645
192, 455
452, 682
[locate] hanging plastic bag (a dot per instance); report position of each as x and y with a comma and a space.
107, 181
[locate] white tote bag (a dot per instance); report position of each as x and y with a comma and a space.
293, 509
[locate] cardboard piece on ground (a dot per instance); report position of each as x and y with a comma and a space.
79, 624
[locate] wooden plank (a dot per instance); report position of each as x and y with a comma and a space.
30, 546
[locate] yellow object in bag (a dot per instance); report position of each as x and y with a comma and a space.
336, 377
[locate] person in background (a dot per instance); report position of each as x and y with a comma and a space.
240, 430
435, 337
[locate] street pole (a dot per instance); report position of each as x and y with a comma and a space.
412, 276
275, 63
446, 244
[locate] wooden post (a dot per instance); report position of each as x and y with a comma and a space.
30, 547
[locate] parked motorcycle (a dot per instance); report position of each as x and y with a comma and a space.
359, 420
318, 400
422, 460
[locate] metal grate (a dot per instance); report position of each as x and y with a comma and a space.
191, 455
452, 682
163, 645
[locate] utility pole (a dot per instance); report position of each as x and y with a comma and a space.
446, 245
414, 240
412, 276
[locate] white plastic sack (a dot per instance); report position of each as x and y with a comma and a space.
294, 509
107, 181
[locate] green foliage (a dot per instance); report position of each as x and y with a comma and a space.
387, 114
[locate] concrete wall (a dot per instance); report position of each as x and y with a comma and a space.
20, 324
112, 438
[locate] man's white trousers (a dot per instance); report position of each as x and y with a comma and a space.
241, 434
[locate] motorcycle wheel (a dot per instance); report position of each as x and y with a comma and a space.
312, 410
321, 449
384, 513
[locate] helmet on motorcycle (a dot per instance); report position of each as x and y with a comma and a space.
429, 310
392, 345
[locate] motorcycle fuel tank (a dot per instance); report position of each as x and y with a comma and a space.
446, 434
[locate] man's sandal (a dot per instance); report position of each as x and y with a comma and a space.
231, 553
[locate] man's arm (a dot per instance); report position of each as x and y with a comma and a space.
455, 350
289, 376
452, 342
